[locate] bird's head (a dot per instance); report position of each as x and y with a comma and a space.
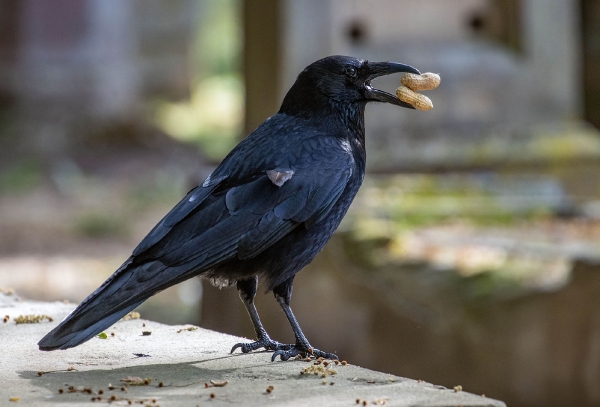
344, 80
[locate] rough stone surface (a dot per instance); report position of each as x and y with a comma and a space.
183, 362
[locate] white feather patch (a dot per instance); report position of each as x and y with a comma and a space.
279, 177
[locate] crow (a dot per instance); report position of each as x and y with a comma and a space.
263, 213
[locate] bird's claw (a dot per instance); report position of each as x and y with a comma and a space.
303, 351
266, 343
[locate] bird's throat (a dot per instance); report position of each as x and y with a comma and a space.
351, 118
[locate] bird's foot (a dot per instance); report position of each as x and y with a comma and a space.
265, 342
303, 351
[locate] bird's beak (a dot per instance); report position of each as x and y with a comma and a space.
386, 68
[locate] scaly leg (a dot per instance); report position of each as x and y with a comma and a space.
247, 290
283, 294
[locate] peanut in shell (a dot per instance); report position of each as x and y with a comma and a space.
419, 101
425, 81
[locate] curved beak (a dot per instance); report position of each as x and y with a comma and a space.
386, 68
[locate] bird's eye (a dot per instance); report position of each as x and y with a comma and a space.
351, 72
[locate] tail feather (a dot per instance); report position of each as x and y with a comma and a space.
110, 302
186, 254
58, 338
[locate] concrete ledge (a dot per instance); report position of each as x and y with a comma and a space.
183, 361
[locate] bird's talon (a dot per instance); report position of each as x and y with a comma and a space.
275, 354
240, 345
295, 351
266, 343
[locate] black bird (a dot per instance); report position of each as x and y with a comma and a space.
265, 211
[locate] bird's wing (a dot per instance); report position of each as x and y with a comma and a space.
193, 200
310, 201
244, 213
246, 219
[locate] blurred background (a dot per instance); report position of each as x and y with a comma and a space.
471, 255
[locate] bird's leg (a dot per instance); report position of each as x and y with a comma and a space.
283, 294
247, 290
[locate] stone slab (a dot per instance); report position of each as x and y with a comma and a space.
183, 361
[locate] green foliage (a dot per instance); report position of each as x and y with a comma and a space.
414, 201
20, 177
212, 119
219, 38
487, 284
93, 224
478, 229
165, 188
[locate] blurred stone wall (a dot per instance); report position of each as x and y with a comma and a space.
71, 66
506, 67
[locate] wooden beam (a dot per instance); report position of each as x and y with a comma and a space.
262, 60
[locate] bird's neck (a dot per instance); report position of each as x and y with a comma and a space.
334, 117
350, 117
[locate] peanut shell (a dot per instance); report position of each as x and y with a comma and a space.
425, 81
419, 101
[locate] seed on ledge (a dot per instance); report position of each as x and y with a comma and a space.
218, 383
